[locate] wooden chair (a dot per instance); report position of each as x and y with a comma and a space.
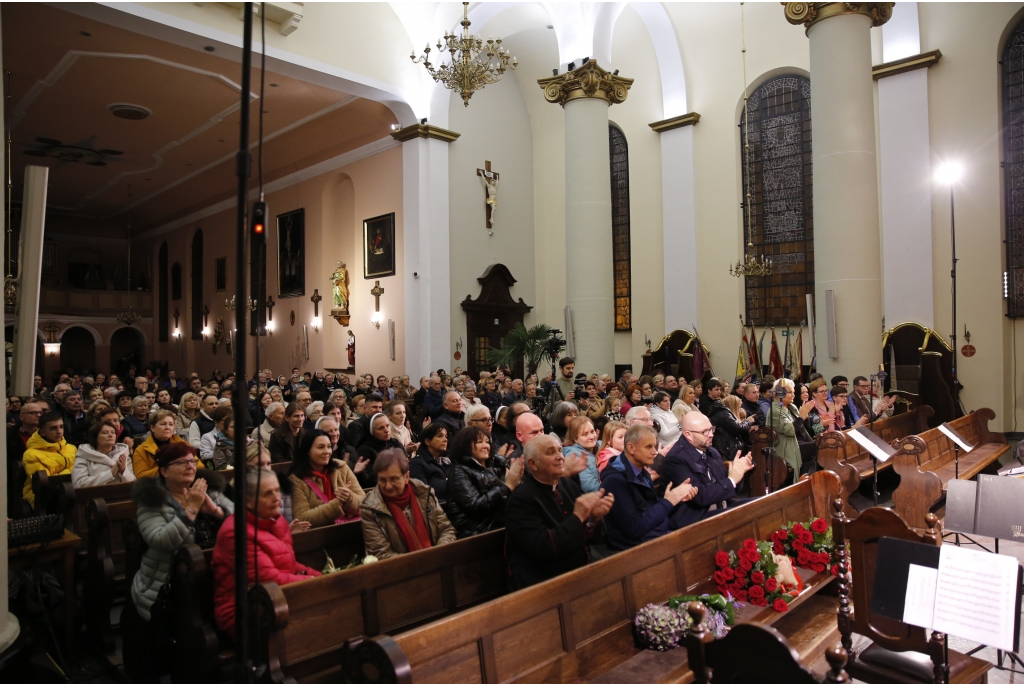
918, 490
899, 653
761, 439
751, 653
831, 450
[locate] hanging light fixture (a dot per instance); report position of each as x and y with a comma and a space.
129, 317
473, 63
751, 266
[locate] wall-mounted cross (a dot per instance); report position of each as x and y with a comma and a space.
490, 190
315, 299
270, 308
376, 291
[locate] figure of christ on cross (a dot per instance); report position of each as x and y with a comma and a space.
491, 189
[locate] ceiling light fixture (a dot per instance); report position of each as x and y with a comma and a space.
472, 64
209, 48
124, 110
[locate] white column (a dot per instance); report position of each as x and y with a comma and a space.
846, 233
589, 291
585, 94
425, 225
905, 167
679, 221
30, 267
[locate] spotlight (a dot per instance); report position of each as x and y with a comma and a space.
585, 60
615, 73
572, 65
949, 173
423, 120
554, 72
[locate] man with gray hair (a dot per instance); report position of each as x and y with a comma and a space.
548, 520
274, 417
640, 513
451, 417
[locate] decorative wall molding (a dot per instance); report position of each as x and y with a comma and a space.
424, 131
689, 119
926, 60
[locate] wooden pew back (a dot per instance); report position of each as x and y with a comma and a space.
579, 625
54, 494
115, 492
974, 428
386, 596
761, 439
890, 429
105, 565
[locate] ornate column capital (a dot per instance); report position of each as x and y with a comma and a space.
810, 13
587, 81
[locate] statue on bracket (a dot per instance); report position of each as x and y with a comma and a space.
340, 292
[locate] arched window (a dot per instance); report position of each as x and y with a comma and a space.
176, 281
779, 116
619, 157
197, 285
162, 274
1013, 169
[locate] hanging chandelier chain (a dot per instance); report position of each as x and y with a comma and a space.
473, 62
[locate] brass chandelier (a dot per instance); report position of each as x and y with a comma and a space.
473, 63
752, 266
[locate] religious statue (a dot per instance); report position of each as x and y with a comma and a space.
490, 178
351, 350
338, 278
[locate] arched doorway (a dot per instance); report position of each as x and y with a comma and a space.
126, 346
9, 353
77, 351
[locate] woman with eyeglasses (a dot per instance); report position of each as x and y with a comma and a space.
787, 424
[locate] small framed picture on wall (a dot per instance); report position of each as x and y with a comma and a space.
291, 253
379, 246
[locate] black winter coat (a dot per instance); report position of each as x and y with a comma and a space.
368, 450
476, 498
730, 433
423, 467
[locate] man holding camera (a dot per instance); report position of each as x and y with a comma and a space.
564, 387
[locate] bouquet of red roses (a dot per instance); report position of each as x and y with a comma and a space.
749, 575
809, 545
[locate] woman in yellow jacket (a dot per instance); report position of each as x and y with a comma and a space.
47, 450
161, 432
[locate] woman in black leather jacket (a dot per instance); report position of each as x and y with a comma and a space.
476, 493
730, 432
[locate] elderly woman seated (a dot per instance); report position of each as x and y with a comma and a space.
325, 489
479, 484
272, 547
102, 460
401, 514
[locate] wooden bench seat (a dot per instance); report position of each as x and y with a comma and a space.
303, 627
890, 429
105, 570
578, 626
928, 462
202, 650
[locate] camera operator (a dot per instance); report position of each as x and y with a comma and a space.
564, 388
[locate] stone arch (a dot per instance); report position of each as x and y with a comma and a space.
96, 337
127, 348
78, 349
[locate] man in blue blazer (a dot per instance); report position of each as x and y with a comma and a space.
693, 459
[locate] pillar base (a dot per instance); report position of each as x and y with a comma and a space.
10, 632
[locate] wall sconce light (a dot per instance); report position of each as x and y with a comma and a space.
315, 299
52, 346
229, 305
206, 323
376, 291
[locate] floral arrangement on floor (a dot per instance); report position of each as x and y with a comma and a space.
329, 567
754, 574
810, 545
662, 626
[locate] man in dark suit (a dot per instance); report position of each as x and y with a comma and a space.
693, 458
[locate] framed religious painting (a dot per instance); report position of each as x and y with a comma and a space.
379, 246
291, 253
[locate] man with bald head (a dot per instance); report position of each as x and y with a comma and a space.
548, 520
693, 458
451, 416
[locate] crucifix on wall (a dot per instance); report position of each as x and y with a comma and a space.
491, 190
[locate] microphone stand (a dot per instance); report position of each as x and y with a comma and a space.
880, 377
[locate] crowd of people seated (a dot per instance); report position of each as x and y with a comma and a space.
574, 468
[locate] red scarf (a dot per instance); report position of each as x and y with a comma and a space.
328, 490
397, 506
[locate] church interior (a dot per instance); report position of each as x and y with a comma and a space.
647, 180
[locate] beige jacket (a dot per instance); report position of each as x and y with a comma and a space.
380, 532
307, 505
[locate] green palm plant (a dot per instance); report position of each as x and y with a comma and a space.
521, 344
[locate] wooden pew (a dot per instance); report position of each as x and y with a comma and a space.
113, 493
927, 464
202, 651
831, 445
578, 626
890, 429
388, 596
105, 570
761, 439
54, 494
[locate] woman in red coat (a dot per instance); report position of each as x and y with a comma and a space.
275, 556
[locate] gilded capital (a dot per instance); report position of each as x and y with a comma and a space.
810, 13
587, 81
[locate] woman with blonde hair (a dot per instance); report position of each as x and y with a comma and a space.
686, 403
611, 443
730, 431
581, 441
93, 412
188, 411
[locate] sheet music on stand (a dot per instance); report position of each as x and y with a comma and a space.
876, 446
953, 435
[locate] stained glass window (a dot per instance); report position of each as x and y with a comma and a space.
780, 183
619, 153
1013, 169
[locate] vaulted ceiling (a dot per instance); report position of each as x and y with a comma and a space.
172, 149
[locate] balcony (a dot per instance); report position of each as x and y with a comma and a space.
66, 301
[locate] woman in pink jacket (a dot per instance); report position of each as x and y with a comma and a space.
274, 554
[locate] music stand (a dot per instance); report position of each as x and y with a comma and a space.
962, 511
959, 442
879, 450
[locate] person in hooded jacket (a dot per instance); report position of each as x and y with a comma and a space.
476, 492
271, 555
377, 439
730, 432
48, 451
102, 460
431, 464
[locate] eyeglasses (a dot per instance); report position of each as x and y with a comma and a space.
487, 420
32, 412
184, 462
706, 433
